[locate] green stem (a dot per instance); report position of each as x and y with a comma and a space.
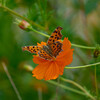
16, 14
79, 86
83, 47
11, 81
57, 88
84, 66
39, 32
40, 93
76, 45
96, 86
65, 87
37, 25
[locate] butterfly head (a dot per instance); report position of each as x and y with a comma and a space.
59, 28
25, 48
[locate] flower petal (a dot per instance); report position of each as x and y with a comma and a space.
52, 71
66, 58
66, 44
40, 70
61, 67
41, 44
39, 60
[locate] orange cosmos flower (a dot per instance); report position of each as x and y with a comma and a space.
51, 69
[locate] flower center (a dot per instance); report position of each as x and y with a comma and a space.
53, 59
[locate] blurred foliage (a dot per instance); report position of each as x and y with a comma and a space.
70, 15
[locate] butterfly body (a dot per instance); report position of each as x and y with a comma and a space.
51, 50
47, 49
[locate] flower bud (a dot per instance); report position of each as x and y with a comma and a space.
96, 53
23, 24
28, 68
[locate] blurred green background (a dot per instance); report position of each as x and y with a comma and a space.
80, 20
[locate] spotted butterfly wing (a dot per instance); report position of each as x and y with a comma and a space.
55, 47
32, 49
56, 35
44, 54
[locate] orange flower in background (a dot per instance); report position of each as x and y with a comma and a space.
51, 69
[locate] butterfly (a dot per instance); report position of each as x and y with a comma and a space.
51, 50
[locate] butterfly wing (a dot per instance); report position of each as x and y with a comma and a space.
32, 49
56, 35
55, 47
44, 55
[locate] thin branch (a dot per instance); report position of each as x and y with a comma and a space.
65, 87
37, 25
11, 81
81, 46
79, 86
43, 34
18, 15
84, 66
75, 45
57, 88
40, 93
96, 85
